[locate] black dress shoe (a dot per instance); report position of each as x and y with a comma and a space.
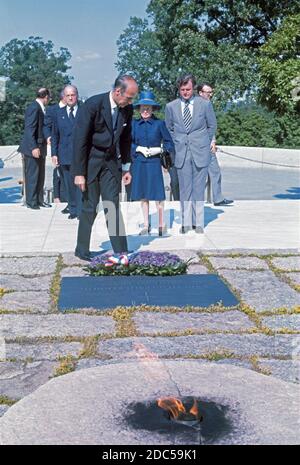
184, 229
45, 205
162, 230
224, 202
85, 256
33, 207
65, 211
72, 217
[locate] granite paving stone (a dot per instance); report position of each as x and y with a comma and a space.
249, 263
152, 322
245, 344
282, 321
294, 277
187, 254
19, 283
71, 271
28, 266
69, 259
287, 263
37, 302
3, 409
197, 269
262, 290
259, 252
56, 325
94, 362
18, 379
42, 351
288, 370
261, 409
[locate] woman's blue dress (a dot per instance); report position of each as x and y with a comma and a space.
147, 177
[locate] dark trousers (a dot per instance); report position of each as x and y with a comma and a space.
59, 191
174, 182
34, 180
107, 185
73, 193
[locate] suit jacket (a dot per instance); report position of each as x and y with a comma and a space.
199, 137
33, 136
95, 138
62, 136
50, 115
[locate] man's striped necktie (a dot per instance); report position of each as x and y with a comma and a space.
187, 117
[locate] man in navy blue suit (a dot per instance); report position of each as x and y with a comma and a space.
33, 148
58, 184
62, 147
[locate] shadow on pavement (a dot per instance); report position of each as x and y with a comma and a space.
10, 194
293, 194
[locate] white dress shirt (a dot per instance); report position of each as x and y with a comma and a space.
41, 105
114, 107
74, 111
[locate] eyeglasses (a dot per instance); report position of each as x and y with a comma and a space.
207, 91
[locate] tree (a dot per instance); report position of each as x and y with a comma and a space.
28, 64
248, 23
279, 68
216, 40
248, 125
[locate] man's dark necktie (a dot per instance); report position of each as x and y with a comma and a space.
71, 115
187, 117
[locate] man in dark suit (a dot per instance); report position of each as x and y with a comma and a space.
59, 194
33, 148
62, 147
102, 142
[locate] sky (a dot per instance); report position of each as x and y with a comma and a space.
89, 29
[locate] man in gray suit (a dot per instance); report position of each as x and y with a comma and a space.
214, 172
192, 124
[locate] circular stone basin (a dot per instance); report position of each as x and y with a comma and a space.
91, 406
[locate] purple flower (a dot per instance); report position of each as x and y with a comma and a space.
159, 259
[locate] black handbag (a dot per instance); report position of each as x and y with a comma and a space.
166, 160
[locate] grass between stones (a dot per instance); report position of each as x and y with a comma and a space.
125, 326
90, 347
7, 401
67, 365
281, 274
257, 367
55, 284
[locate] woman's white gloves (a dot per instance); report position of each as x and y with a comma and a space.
149, 152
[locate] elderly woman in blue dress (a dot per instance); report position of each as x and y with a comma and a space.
149, 138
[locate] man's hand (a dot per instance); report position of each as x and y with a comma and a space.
126, 178
80, 182
49, 140
213, 147
55, 161
36, 153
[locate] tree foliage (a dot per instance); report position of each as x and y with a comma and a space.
28, 64
228, 44
280, 68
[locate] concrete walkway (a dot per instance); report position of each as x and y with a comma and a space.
245, 225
